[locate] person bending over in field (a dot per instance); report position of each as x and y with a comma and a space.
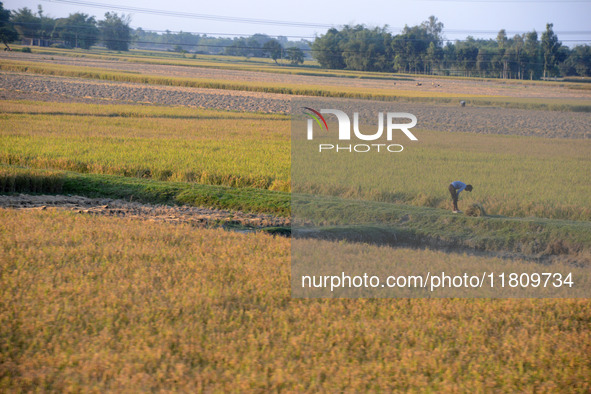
455, 188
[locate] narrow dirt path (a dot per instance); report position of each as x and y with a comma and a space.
201, 217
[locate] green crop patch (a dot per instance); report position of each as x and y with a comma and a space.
513, 176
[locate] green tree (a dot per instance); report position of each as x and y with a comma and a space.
237, 48
502, 39
78, 30
550, 48
467, 52
532, 55
255, 44
295, 55
580, 60
115, 31
7, 32
434, 56
497, 62
434, 29
47, 24
503, 55
517, 55
449, 57
273, 49
247, 47
567, 67
179, 49
366, 49
411, 47
26, 23
483, 63
327, 50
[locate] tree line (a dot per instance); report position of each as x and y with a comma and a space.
421, 49
78, 30
257, 45
417, 49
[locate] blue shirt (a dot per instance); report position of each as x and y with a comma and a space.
459, 186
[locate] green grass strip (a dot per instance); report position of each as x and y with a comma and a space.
355, 220
386, 223
21, 180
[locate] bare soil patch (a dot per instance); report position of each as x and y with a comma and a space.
196, 216
59, 89
441, 85
450, 118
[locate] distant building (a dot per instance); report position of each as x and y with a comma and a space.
39, 42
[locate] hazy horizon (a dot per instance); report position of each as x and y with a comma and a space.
305, 19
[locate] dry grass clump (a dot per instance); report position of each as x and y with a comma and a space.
108, 304
475, 209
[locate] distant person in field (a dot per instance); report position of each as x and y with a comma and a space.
455, 188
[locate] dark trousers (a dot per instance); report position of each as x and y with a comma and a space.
454, 196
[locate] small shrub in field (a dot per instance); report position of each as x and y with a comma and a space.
557, 247
476, 210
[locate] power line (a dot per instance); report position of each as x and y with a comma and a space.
571, 32
209, 34
506, 1
312, 37
191, 15
240, 35
222, 18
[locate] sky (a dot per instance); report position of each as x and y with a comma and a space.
308, 18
